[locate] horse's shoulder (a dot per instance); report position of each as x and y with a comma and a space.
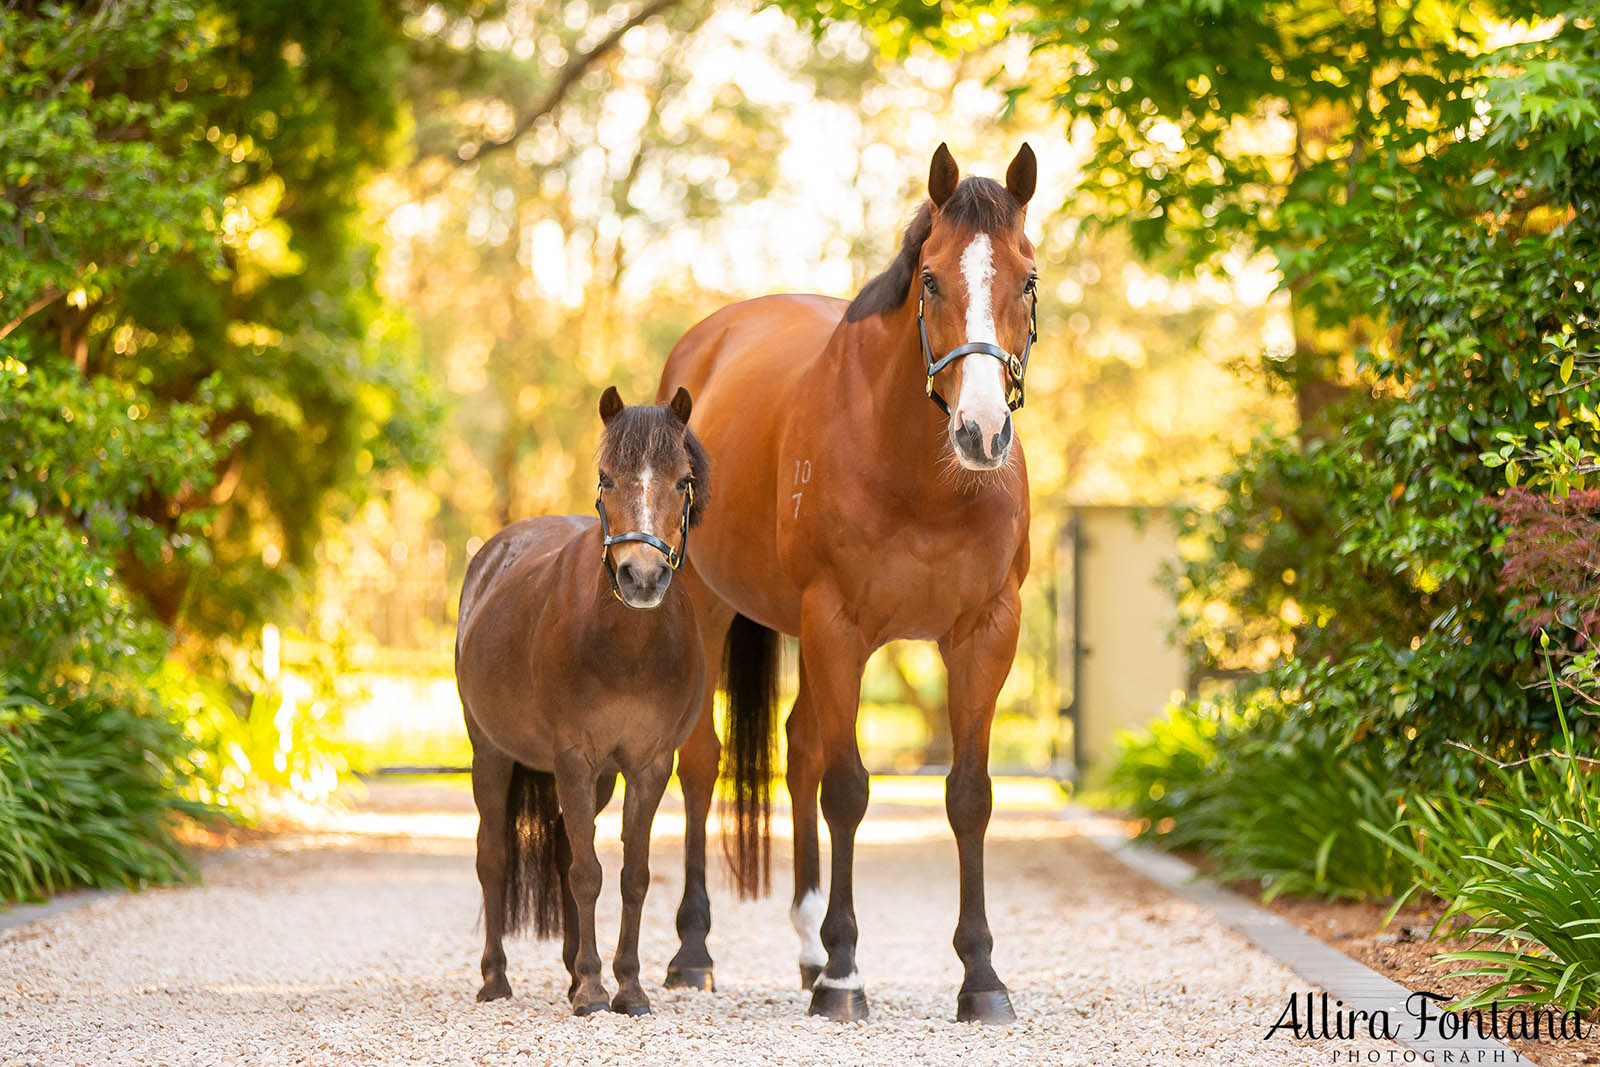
522, 544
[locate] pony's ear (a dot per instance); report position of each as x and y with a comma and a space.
610, 403
1023, 175
681, 405
942, 176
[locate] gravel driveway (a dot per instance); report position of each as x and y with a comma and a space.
358, 943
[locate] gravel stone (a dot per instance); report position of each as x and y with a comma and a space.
357, 942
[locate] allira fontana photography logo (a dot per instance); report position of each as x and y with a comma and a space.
1318, 1017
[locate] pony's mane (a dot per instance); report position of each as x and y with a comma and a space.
980, 204
647, 435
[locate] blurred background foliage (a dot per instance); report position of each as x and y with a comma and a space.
298, 305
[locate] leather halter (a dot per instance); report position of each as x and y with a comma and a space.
607, 538
1016, 366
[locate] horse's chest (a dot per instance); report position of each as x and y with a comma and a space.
909, 575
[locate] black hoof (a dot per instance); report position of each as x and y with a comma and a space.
808, 974
634, 1008
992, 1008
497, 989
691, 978
840, 1005
590, 1008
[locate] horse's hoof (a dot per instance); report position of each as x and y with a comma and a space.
808, 974
494, 989
634, 1007
590, 1008
840, 1005
991, 1007
690, 978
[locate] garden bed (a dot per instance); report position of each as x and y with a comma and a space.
1404, 952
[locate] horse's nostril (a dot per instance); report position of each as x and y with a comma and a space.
1003, 438
627, 575
969, 438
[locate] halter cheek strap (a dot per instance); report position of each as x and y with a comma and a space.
607, 538
1016, 366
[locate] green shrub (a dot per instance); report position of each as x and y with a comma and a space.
1265, 800
1518, 860
87, 794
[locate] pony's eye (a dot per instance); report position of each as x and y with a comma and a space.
606, 482
684, 482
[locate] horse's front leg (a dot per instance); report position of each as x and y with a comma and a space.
977, 654
639, 804
576, 782
698, 762
833, 655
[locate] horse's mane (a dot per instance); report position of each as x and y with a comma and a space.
647, 435
980, 204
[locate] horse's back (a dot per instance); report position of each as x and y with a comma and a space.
770, 339
523, 542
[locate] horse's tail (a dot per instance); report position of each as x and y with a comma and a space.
750, 679
533, 841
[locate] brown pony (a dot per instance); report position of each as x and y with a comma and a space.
577, 657
866, 513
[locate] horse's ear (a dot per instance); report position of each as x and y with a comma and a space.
681, 405
942, 176
610, 403
1023, 175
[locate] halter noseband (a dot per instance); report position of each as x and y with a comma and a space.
607, 538
1016, 366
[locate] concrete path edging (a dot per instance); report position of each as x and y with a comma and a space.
17, 915
1346, 979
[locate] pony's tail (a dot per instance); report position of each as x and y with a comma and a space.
533, 841
750, 679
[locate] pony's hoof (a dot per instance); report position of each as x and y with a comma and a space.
590, 1008
494, 989
991, 1007
808, 974
630, 1007
690, 978
840, 1005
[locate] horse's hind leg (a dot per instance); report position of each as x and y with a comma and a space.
491, 779
834, 656
804, 774
575, 787
569, 926
978, 655
645, 787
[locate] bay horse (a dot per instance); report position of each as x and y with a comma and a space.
578, 657
882, 494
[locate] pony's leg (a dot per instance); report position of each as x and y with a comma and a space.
569, 923
977, 654
491, 778
575, 787
639, 804
833, 654
698, 761
804, 775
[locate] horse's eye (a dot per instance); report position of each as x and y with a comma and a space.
1030, 285
684, 482
930, 284
606, 482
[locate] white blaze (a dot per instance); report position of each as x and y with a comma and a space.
807, 919
983, 389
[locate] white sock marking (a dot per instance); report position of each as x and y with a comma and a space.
807, 919
849, 981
